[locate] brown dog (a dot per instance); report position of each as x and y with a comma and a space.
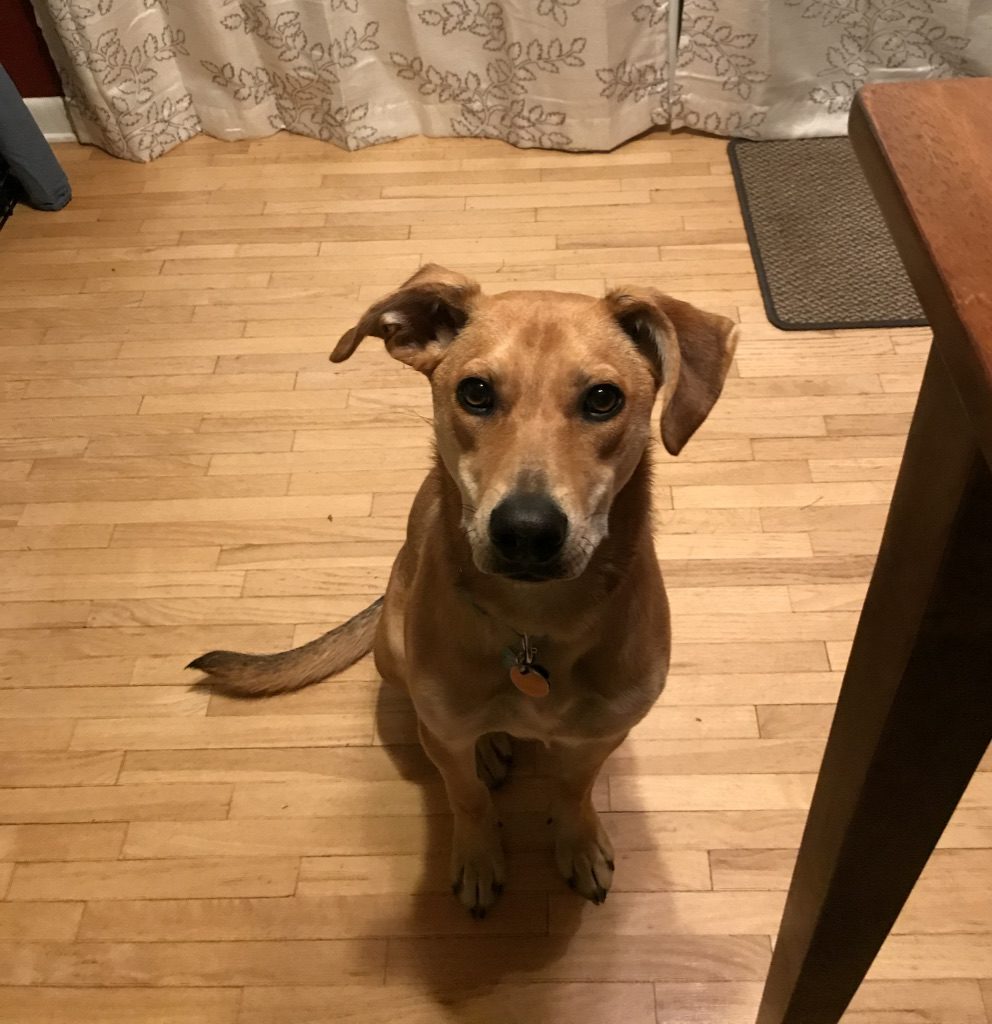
527, 599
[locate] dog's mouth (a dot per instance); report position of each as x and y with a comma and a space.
539, 573
530, 576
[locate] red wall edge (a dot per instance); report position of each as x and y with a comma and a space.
23, 52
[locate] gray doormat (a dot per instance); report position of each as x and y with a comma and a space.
823, 254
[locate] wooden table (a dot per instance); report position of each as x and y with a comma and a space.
914, 715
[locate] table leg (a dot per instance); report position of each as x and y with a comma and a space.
913, 719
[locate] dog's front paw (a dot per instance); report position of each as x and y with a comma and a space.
583, 852
477, 865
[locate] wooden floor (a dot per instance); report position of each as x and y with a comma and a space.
181, 468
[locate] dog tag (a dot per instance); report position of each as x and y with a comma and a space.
530, 679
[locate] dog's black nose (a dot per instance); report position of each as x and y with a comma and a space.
528, 529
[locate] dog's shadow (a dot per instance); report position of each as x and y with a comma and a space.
472, 957
527, 936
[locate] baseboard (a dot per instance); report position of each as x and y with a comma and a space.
50, 116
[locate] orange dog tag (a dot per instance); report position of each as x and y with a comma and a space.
527, 680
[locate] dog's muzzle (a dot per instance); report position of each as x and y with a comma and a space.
527, 532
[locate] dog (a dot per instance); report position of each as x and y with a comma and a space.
527, 600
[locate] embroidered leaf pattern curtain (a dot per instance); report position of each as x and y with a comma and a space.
790, 68
142, 76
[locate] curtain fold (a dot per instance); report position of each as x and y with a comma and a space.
141, 76
790, 68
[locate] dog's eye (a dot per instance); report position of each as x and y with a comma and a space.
602, 401
476, 396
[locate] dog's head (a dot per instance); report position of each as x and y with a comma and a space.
543, 400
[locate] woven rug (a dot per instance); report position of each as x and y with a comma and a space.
823, 254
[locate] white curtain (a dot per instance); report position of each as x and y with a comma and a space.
143, 75
777, 69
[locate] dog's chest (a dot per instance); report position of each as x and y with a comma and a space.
532, 718
565, 714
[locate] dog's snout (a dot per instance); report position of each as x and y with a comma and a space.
528, 529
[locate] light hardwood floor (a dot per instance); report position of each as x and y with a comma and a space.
181, 468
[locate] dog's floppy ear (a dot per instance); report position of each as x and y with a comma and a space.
418, 320
690, 350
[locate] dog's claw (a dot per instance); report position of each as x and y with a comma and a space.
584, 855
611, 865
477, 866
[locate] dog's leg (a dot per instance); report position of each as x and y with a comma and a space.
477, 866
583, 850
494, 758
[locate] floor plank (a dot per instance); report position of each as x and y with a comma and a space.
54, 1005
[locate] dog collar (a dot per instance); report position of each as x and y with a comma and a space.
527, 674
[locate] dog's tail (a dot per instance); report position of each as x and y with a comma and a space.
261, 675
